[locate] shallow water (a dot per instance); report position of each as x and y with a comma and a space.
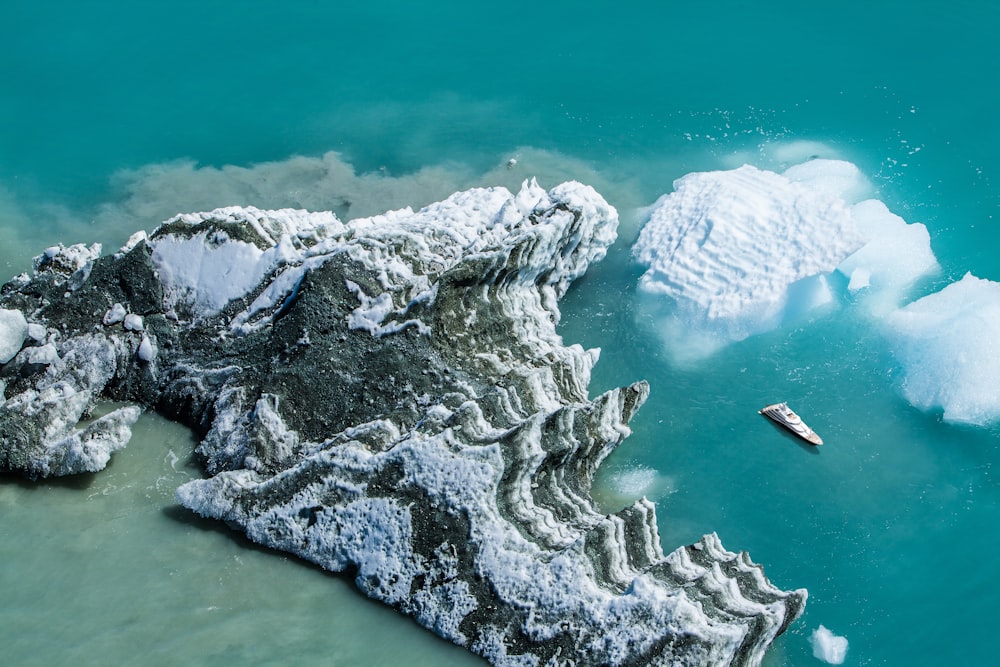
116, 116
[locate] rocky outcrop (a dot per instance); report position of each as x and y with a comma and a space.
388, 398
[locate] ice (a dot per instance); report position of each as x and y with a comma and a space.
896, 255
731, 254
836, 178
115, 314
946, 344
827, 646
13, 331
146, 351
133, 322
37, 332
726, 250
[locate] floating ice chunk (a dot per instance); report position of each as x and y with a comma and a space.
828, 647
739, 252
896, 255
946, 344
133, 322
13, 331
115, 314
860, 279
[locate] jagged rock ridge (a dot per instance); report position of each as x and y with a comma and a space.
388, 397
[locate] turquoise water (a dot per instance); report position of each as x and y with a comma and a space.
116, 115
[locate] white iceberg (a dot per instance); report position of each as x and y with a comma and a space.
946, 344
897, 255
828, 647
735, 253
731, 254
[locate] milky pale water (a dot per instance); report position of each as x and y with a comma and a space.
116, 115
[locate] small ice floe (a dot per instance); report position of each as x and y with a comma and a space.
114, 315
828, 647
13, 332
133, 322
511, 163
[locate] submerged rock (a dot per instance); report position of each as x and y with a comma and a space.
389, 398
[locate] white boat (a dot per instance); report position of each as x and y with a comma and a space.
781, 413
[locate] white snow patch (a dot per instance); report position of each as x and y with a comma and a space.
133, 322
115, 314
37, 332
133, 240
374, 310
946, 344
13, 331
205, 273
147, 351
827, 646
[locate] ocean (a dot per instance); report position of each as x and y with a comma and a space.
118, 115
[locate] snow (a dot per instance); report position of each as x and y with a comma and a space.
896, 256
372, 312
115, 314
13, 331
146, 351
946, 344
828, 647
133, 322
205, 271
206, 274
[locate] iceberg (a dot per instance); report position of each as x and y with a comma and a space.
734, 253
946, 345
895, 257
730, 254
388, 398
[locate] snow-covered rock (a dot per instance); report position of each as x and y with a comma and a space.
389, 396
13, 332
